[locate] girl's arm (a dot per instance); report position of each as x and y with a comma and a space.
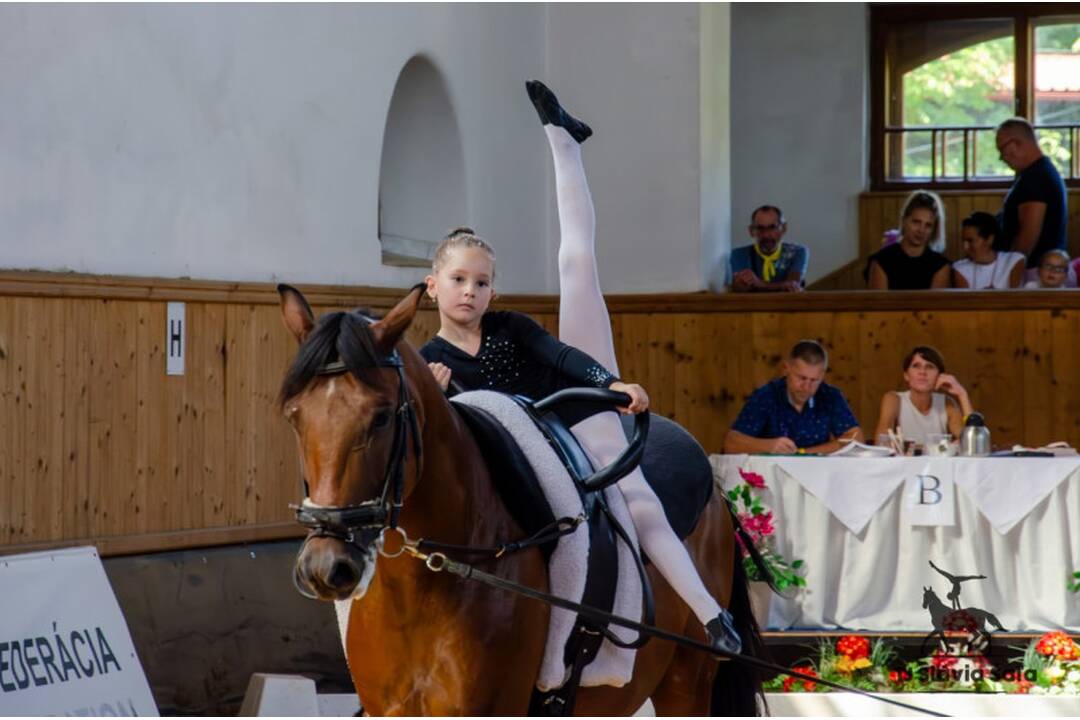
567, 359
571, 362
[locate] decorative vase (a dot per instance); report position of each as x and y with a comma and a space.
760, 602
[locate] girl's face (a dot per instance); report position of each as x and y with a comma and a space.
918, 227
462, 285
975, 245
1053, 270
921, 374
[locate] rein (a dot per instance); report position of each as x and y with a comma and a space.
374, 520
438, 562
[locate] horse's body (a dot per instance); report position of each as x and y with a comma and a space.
424, 643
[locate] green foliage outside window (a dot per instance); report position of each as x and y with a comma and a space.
974, 86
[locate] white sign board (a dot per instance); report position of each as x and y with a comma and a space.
64, 646
930, 494
175, 339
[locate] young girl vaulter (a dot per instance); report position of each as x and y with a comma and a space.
508, 352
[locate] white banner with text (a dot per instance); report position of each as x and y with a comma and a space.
65, 648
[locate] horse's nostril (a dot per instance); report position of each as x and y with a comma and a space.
343, 575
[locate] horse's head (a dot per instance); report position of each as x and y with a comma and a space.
927, 596
349, 402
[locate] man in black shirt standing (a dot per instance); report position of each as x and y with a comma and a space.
1033, 219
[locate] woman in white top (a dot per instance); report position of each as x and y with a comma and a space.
921, 410
984, 268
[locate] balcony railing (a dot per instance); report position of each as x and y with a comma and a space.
955, 154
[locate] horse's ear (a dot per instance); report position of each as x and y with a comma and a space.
296, 312
390, 329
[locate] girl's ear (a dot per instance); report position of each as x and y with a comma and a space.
430, 282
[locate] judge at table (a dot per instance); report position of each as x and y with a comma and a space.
798, 412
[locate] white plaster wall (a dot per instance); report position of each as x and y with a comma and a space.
631, 72
798, 122
715, 143
242, 142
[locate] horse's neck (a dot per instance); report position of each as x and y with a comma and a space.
937, 606
455, 499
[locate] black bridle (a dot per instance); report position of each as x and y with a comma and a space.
358, 524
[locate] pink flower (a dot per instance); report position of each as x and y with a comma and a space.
752, 478
759, 525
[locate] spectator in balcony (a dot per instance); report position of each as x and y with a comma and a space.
1052, 271
915, 262
1033, 216
983, 267
796, 413
768, 264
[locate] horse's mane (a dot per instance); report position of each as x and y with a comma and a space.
340, 335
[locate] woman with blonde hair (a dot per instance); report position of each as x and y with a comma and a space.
915, 262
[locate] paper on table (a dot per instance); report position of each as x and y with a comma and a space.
857, 449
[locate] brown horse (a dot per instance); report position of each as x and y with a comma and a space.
423, 643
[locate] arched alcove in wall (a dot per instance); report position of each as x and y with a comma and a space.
421, 173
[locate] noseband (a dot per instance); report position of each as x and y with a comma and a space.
359, 524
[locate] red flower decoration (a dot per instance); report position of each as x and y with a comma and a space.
942, 661
752, 478
807, 685
1059, 645
853, 646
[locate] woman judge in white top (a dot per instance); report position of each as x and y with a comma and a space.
921, 410
984, 268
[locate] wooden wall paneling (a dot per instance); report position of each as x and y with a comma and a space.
632, 349
768, 343
279, 472
690, 379
235, 365
123, 330
149, 415
101, 393
8, 480
707, 382
51, 421
999, 358
207, 367
880, 343
661, 369
1035, 366
1065, 385
76, 429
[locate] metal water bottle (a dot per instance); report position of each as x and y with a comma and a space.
975, 437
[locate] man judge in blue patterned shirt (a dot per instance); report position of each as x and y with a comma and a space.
798, 412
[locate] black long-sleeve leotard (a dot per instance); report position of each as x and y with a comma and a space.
519, 357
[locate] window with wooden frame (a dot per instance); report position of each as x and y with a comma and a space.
943, 77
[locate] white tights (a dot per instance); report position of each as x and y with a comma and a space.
585, 324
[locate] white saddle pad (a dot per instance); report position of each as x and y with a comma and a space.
613, 665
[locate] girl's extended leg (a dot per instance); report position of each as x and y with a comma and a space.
585, 324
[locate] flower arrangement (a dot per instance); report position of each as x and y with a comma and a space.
852, 660
1054, 662
757, 520
1050, 665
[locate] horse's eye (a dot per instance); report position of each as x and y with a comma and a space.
381, 420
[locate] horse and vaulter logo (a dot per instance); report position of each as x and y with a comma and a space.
960, 631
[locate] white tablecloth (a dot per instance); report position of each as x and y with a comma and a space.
1017, 521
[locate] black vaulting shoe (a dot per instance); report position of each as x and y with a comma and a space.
551, 112
722, 633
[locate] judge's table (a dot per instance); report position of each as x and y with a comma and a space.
868, 530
